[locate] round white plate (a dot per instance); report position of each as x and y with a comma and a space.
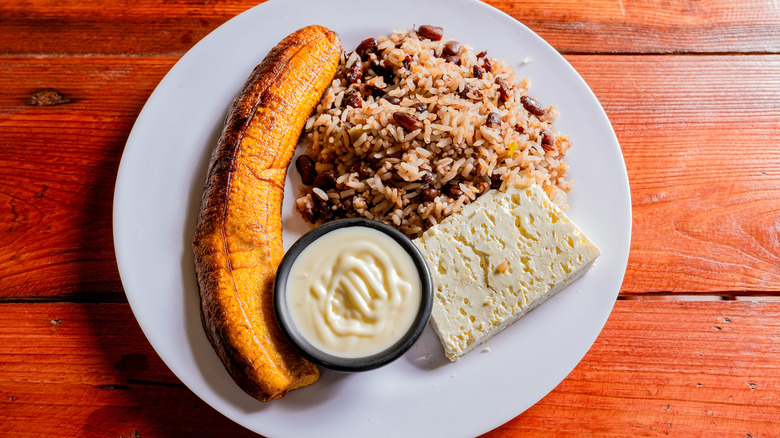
158, 195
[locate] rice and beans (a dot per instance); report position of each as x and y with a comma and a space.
415, 126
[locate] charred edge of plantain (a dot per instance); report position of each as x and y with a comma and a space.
212, 261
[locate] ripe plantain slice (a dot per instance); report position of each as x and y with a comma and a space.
238, 238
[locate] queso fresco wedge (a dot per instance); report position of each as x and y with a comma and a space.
497, 259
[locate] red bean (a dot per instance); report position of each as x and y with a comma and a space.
433, 33
326, 180
380, 69
426, 177
407, 62
305, 166
429, 194
392, 99
478, 72
495, 181
487, 65
464, 94
365, 48
420, 107
493, 120
519, 129
503, 89
482, 187
373, 90
453, 191
452, 47
532, 105
355, 72
548, 141
322, 208
408, 122
353, 99
309, 215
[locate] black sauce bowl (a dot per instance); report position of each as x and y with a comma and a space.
362, 363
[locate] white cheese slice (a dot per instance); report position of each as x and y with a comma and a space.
497, 259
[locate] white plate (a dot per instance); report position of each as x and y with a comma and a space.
158, 194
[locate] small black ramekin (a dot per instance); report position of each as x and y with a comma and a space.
364, 363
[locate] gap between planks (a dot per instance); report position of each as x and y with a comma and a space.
758, 296
179, 54
98, 298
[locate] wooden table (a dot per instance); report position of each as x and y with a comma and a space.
692, 347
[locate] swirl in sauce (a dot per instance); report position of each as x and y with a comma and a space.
353, 292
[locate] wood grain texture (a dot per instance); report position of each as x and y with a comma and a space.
58, 164
669, 368
700, 138
710, 368
651, 26
602, 26
701, 153
87, 370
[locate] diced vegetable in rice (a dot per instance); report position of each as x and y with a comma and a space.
411, 117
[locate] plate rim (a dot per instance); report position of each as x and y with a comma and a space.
122, 176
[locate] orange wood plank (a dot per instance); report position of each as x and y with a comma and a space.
709, 368
706, 211
650, 26
87, 370
700, 138
58, 166
669, 368
703, 233
602, 26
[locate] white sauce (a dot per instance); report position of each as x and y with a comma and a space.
353, 292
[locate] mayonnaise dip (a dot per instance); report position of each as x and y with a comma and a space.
353, 292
